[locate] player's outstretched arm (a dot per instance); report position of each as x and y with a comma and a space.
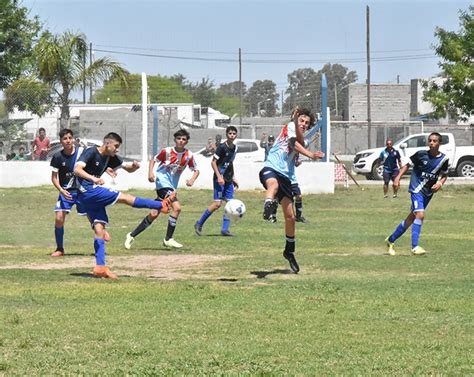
151, 173
305, 152
134, 166
81, 173
191, 181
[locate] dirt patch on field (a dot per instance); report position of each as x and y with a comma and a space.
168, 267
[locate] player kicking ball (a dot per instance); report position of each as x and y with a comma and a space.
171, 164
278, 171
428, 165
95, 198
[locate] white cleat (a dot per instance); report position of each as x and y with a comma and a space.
418, 250
172, 243
390, 247
128, 241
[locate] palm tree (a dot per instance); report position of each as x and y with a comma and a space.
60, 66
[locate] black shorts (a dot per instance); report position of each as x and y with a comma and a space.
162, 193
295, 188
389, 176
284, 183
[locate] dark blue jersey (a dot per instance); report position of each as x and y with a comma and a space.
63, 164
95, 164
224, 156
426, 170
390, 160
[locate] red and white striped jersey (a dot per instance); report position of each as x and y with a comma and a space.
170, 165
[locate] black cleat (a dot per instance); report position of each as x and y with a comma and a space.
269, 209
290, 257
226, 233
272, 219
198, 229
301, 219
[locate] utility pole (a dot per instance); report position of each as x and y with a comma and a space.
282, 103
90, 63
240, 89
335, 96
369, 117
84, 83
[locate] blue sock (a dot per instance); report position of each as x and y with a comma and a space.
401, 228
59, 234
99, 247
147, 203
225, 223
415, 232
204, 217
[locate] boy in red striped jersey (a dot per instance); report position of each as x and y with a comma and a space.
172, 161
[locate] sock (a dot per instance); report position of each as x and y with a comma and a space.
225, 224
204, 217
401, 228
141, 227
290, 244
299, 208
99, 247
147, 203
171, 227
59, 235
415, 232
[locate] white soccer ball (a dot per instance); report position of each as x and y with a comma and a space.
235, 209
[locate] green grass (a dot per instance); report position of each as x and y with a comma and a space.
352, 309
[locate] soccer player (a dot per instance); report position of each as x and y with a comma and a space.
88, 169
224, 181
171, 164
392, 164
428, 166
277, 172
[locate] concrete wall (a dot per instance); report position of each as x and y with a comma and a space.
313, 177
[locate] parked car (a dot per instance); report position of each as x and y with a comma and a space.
248, 150
461, 158
55, 145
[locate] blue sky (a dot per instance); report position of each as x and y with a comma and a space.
281, 35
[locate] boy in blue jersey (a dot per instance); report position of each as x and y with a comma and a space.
95, 198
392, 163
224, 180
171, 164
277, 173
427, 167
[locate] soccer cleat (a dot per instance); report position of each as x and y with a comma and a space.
167, 202
58, 253
394, 196
107, 237
128, 241
385, 196
272, 219
390, 246
269, 209
172, 243
418, 250
301, 219
226, 233
198, 228
104, 272
290, 257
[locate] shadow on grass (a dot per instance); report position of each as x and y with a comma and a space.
264, 274
92, 276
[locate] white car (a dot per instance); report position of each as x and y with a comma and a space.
247, 150
56, 146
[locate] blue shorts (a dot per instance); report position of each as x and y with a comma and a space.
95, 200
284, 183
389, 176
419, 202
295, 188
224, 192
65, 205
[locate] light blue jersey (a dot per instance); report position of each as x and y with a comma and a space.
279, 158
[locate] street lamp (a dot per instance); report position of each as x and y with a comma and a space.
258, 106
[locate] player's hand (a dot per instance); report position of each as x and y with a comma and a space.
66, 194
236, 184
189, 182
436, 187
221, 181
317, 154
135, 165
111, 172
151, 178
98, 181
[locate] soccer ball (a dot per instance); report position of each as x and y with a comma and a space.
234, 209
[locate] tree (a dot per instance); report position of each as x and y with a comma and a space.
232, 89
203, 92
17, 33
161, 89
454, 94
262, 97
60, 66
305, 87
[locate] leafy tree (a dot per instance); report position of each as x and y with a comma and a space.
232, 89
262, 96
60, 66
160, 90
454, 94
17, 33
229, 105
203, 92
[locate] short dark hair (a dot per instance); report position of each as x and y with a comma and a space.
306, 112
41, 129
230, 128
438, 135
182, 132
64, 132
113, 136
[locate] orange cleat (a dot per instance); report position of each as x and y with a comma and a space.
58, 253
104, 272
167, 202
106, 236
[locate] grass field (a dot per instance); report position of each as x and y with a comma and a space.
231, 305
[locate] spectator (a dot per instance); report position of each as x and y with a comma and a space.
218, 141
40, 146
21, 156
267, 144
210, 147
